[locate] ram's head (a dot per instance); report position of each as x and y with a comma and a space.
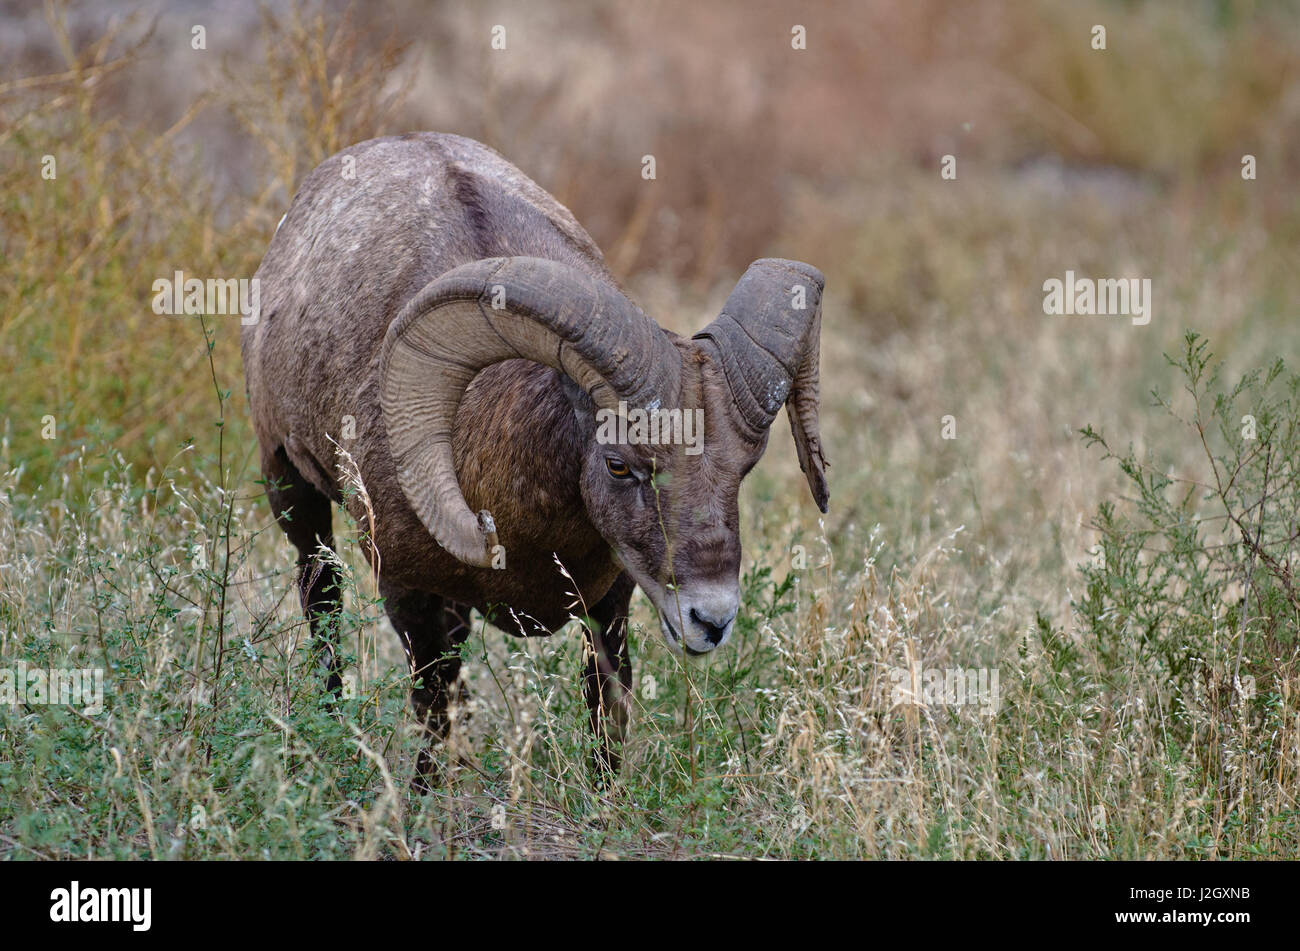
671, 425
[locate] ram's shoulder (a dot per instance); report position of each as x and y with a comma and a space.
483, 179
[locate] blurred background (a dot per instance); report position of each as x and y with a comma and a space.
1123, 161
1118, 162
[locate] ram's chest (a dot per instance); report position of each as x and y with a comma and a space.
534, 592
546, 577
535, 596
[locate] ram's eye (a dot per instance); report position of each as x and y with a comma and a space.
617, 468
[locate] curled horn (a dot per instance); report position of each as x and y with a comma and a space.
486, 312
768, 338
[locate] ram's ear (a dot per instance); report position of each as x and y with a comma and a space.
768, 339
584, 408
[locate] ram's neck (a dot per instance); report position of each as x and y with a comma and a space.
518, 455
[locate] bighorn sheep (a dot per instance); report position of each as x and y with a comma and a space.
426, 293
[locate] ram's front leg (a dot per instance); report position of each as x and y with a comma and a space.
607, 682
432, 630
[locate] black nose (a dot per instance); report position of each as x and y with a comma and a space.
712, 630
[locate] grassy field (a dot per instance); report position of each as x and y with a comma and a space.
1075, 506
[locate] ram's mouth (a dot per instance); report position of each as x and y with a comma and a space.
677, 640
671, 635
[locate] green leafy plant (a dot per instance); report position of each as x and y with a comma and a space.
1193, 585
